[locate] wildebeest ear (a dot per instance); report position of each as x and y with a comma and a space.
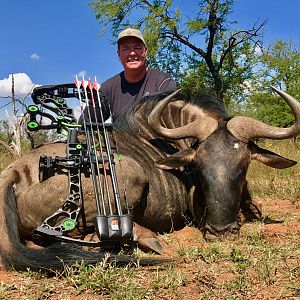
179, 159
270, 158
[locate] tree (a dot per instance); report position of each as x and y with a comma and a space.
14, 135
202, 38
237, 72
13, 125
280, 66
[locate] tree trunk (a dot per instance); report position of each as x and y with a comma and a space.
16, 126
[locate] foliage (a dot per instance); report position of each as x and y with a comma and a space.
282, 62
280, 67
270, 109
237, 70
40, 137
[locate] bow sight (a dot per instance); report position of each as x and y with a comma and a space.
93, 157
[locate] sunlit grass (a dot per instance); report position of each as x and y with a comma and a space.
5, 159
274, 183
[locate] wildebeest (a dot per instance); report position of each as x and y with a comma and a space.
181, 161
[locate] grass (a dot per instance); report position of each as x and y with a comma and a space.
240, 269
5, 158
105, 280
6, 290
274, 183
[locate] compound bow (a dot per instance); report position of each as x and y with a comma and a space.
111, 228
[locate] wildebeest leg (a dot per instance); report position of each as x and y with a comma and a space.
250, 209
147, 240
137, 194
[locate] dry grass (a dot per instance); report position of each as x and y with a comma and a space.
5, 159
274, 183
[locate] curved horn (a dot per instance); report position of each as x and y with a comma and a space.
245, 128
199, 129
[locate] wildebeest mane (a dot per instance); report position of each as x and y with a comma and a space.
126, 120
136, 134
209, 103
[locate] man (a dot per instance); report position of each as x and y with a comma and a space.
137, 80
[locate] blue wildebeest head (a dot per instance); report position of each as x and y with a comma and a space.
220, 154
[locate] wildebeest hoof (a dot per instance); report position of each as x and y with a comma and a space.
209, 237
147, 239
252, 211
150, 244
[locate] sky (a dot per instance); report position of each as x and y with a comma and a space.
49, 42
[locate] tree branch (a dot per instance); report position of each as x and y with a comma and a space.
233, 41
182, 39
173, 32
212, 27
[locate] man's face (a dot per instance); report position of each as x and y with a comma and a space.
132, 53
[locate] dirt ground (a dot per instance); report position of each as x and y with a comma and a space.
207, 275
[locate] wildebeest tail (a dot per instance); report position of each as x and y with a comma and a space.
15, 254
